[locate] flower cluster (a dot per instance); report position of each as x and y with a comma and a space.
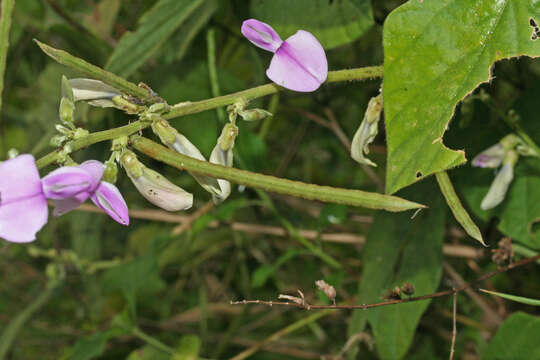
299, 64
23, 195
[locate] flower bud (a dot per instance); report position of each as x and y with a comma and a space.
95, 92
500, 184
367, 131
222, 154
111, 171
67, 91
492, 157
179, 143
153, 186
66, 110
254, 114
58, 140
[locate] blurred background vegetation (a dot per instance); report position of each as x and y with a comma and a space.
160, 288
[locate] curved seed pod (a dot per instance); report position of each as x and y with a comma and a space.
153, 186
222, 154
179, 143
367, 131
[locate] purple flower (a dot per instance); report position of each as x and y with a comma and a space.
299, 63
23, 206
86, 178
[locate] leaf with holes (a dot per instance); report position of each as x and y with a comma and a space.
437, 52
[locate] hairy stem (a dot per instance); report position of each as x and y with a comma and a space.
271, 183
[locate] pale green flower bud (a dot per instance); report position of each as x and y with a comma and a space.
66, 110
67, 92
153, 186
111, 171
222, 154
367, 131
500, 184
254, 114
58, 140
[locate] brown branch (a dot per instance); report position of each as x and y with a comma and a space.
492, 317
454, 328
307, 306
453, 250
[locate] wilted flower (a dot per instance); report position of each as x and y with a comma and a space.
299, 63
367, 131
499, 186
23, 206
153, 186
328, 290
492, 157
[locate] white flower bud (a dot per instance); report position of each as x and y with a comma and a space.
154, 187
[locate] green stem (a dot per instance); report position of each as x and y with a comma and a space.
457, 208
271, 183
151, 341
364, 73
278, 334
197, 106
212, 71
11, 331
5, 24
93, 71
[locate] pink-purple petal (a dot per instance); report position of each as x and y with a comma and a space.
95, 169
299, 64
261, 35
109, 199
62, 206
65, 182
21, 220
19, 179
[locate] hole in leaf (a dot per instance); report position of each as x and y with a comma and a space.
418, 174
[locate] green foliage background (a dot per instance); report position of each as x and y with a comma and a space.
146, 292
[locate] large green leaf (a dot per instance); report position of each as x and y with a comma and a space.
436, 52
517, 338
333, 23
398, 250
155, 27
